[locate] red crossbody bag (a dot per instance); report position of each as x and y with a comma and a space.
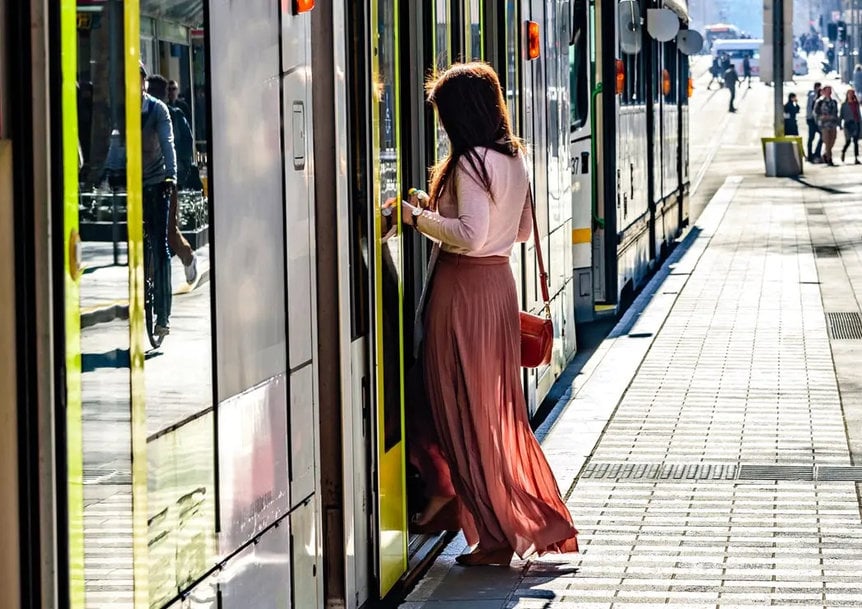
537, 331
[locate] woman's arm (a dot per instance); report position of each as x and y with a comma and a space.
525, 227
469, 230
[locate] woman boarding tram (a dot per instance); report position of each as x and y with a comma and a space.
481, 206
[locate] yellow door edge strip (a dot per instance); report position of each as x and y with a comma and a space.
74, 473
134, 214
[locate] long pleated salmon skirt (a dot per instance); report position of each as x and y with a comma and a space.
506, 490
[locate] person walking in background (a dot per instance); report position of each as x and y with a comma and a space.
730, 80
791, 109
157, 86
746, 69
850, 122
826, 111
480, 206
159, 178
715, 70
176, 101
811, 121
857, 77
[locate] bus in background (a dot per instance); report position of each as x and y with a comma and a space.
719, 31
737, 50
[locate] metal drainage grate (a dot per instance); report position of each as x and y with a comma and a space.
814, 211
845, 326
826, 251
840, 473
776, 472
660, 471
683, 472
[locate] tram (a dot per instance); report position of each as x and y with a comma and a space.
257, 457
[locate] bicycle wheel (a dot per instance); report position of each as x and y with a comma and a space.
150, 295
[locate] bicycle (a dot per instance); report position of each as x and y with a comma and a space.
150, 317
150, 294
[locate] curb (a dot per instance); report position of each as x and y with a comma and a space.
108, 313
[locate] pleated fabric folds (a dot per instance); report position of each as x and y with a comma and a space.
506, 489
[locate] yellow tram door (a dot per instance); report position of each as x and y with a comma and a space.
387, 349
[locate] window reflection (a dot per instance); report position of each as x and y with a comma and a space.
104, 289
177, 377
442, 59
390, 272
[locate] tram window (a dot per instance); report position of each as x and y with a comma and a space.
473, 34
578, 67
510, 78
634, 90
442, 58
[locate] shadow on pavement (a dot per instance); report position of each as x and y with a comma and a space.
829, 189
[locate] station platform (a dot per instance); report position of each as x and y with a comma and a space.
710, 451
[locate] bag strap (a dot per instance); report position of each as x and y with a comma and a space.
543, 276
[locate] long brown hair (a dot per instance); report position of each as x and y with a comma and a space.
472, 110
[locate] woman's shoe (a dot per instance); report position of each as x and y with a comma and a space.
446, 519
435, 505
843, 152
858, 162
480, 557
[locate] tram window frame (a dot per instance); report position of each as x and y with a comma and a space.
578, 66
682, 82
670, 62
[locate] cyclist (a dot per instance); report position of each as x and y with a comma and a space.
159, 169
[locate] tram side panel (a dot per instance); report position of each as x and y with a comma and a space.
264, 305
301, 305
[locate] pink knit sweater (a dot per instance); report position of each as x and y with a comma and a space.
469, 221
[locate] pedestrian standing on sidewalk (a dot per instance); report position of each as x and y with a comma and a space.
730, 80
826, 111
813, 129
479, 208
746, 70
850, 122
791, 109
857, 78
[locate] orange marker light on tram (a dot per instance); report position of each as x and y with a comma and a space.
665, 82
690, 86
621, 76
533, 43
302, 6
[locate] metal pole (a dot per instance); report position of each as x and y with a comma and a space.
778, 64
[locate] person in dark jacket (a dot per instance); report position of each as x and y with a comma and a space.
851, 122
715, 71
791, 109
746, 70
730, 80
